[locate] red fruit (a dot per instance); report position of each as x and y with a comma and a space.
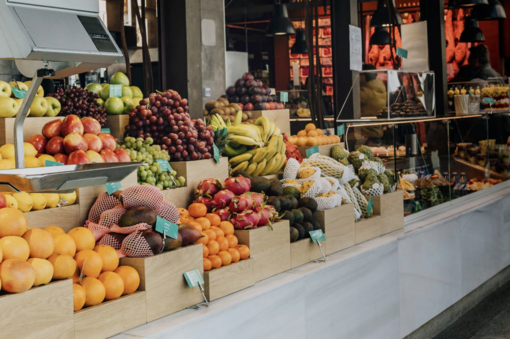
3, 202
55, 145
223, 198
78, 158
52, 129
238, 185
122, 154
70, 124
75, 142
207, 202
272, 212
91, 125
208, 187
258, 199
249, 107
108, 156
39, 142
62, 158
241, 203
224, 214
95, 144
108, 141
265, 216
245, 220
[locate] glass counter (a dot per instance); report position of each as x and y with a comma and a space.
479, 96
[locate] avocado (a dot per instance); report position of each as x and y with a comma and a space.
276, 188
316, 225
285, 203
308, 228
307, 214
301, 231
260, 184
288, 215
137, 215
275, 202
293, 201
243, 174
293, 191
294, 234
298, 216
309, 203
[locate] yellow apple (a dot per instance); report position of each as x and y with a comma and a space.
18, 85
53, 107
40, 91
8, 107
5, 90
39, 107
19, 101
94, 157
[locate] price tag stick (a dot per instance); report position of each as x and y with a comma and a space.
81, 272
323, 259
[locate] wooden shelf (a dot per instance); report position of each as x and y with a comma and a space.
65, 217
304, 251
117, 125
229, 279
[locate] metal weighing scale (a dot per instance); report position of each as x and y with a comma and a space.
55, 38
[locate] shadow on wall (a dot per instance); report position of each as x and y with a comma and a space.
9, 71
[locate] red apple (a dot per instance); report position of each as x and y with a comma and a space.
248, 107
62, 158
122, 154
95, 144
55, 145
91, 125
109, 156
3, 202
241, 106
108, 141
94, 157
74, 142
72, 123
52, 129
77, 158
39, 142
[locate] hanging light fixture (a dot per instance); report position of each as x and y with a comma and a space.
471, 33
380, 37
470, 3
299, 46
280, 23
494, 11
384, 18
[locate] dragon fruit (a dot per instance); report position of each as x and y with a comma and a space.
222, 199
245, 220
273, 212
224, 214
208, 202
208, 188
241, 203
238, 185
265, 216
258, 199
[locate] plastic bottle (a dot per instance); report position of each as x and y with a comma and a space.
463, 183
445, 175
454, 181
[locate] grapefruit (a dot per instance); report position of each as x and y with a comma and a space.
113, 284
110, 257
79, 297
94, 291
83, 238
12, 222
89, 263
64, 244
63, 265
14, 248
130, 277
41, 243
43, 271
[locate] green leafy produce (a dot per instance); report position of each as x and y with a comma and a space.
338, 153
367, 151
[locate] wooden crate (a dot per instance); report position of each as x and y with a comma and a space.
228, 279
281, 118
304, 251
179, 196
41, 312
338, 226
390, 207
65, 217
31, 126
162, 279
117, 125
323, 150
269, 249
367, 229
111, 317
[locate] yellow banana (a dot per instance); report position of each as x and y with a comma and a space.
283, 147
265, 123
271, 148
270, 165
241, 130
251, 168
260, 167
261, 154
241, 167
238, 118
277, 131
239, 159
242, 140
271, 129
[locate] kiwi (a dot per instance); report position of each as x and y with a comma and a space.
211, 105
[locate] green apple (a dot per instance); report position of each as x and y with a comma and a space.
137, 101
137, 92
8, 107
39, 107
105, 92
126, 91
18, 85
114, 106
94, 88
119, 78
19, 102
100, 102
53, 107
40, 91
5, 90
128, 104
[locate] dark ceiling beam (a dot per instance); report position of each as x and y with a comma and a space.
260, 9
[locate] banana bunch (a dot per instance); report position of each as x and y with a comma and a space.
218, 123
260, 161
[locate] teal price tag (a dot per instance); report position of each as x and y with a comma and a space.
116, 91
370, 205
193, 278
417, 206
317, 235
402, 52
312, 150
19, 93
340, 130
166, 227
165, 165
489, 100
112, 187
52, 163
216, 153
284, 96
105, 130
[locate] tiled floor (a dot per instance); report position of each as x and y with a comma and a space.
490, 319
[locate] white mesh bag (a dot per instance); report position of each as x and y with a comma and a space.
315, 176
291, 169
326, 203
352, 197
348, 175
313, 190
343, 194
362, 202
326, 185
392, 188
291, 185
378, 167
377, 189
329, 166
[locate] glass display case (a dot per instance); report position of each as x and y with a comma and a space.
479, 96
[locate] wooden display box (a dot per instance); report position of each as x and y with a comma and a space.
162, 279
117, 125
31, 126
367, 229
304, 251
228, 279
41, 312
269, 249
179, 196
390, 207
111, 317
323, 150
281, 118
65, 217
338, 226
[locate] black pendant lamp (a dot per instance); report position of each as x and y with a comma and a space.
381, 37
384, 18
299, 46
471, 33
493, 11
470, 3
280, 23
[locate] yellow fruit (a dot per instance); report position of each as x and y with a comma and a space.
68, 198
42, 159
39, 201
312, 133
6, 164
41, 243
79, 297
7, 151
319, 131
43, 271
24, 200
63, 265
29, 149
89, 263
52, 199
301, 141
94, 290
54, 231
64, 244
301, 133
306, 173
14, 248
31, 161
310, 127
291, 182
10, 201
16, 275
305, 187
12, 222
311, 141
319, 141
83, 238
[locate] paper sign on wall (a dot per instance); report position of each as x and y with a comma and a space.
355, 48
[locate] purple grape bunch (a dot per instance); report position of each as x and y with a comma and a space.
81, 102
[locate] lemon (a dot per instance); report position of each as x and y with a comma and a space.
52, 199
25, 202
7, 151
68, 199
39, 201
29, 149
10, 201
42, 159
31, 161
6, 164
7, 193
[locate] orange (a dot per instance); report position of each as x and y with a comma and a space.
109, 256
186, 219
301, 141
197, 210
79, 297
14, 247
319, 131
197, 225
319, 140
1, 258
95, 291
204, 239
113, 284
89, 262
311, 141
206, 224
214, 247
207, 264
41, 243
54, 230
215, 261
227, 227
205, 251
64, 244
310, 127
83, 238
63, 265
232, 240
244, 251
43, 271
76, 275
219, 232
16, 275
226, 258
312, 133
211, 234
235, 254
131, 278
12, 222
214, 219
183, 212
301, 133
223, 243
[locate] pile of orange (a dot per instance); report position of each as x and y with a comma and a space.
219, 244
312, 136
35, 257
